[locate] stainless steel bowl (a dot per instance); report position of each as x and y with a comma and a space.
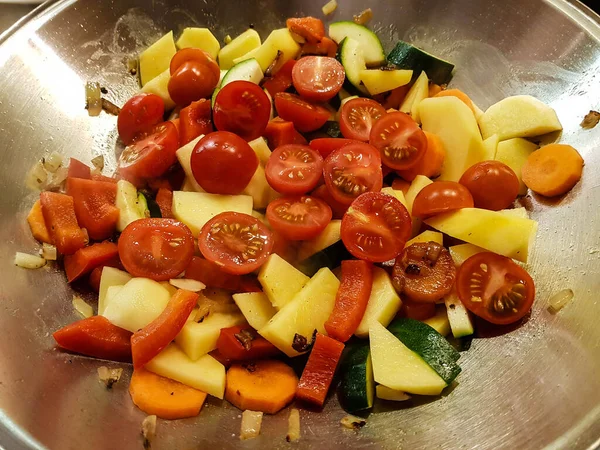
533, 387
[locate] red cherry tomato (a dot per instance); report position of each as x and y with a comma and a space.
159, 249
440, 197
400, 140
236, 242
294, 169
305, 116
150, 156
358, 117
298, 218
376, 227
318, 78
194, 75
282, 80
242, 108
326, 146
223, 163
492, 184
351, 171
336, 207
495, 288
138, 115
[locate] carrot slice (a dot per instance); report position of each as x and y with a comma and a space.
310, 28
552, 170
85, 260
431, 163
458, 94
164, 200
266, 386
164, 398
60, 219
35, 219
434, 89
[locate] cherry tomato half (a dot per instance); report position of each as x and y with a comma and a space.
358, 117
336, 207
138, 115
298, 218
495, 288
150, 156
159, 249
194, 75
223, 163
399, 139
326, 146
318, 78
236, 242
243, 108
440, 197
353, 170
492, 184
305, 116
376, 227
424, 272
294, 169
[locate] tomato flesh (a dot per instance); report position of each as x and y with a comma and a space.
294, 169
305, 115
358, 117
138, 115
337, 208
376, 227
318, 78
236, 242
495, 288
440, 197
298, 218
326, 146
194, 75
492, 184
159, 249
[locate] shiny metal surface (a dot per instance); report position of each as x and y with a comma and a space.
534, 387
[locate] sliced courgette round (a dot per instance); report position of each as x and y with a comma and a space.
367, 40
352, 58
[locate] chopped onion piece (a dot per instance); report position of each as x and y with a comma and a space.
590, 120
53, 161
98, 162
37, 177
82, 307
148, 430
385, 393
251, 422
57, 180
329, 7
299, 39
363, 17
29, 261
187, 284
227, 39
109, 376
293, 426
49, 252
559, 300
353, 423
93, 98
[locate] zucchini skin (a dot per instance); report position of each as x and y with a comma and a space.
406, 56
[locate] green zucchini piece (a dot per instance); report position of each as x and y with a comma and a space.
406, 56
356, 389
351, 56
330, 257
247, 70
367, 40
149, 204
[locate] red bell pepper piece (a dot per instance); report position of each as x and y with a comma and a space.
319, 371
96, 337
310, 28
95, 206
281, 132
85, 260
256, 347
96, 274
351, 300
211, 275
249, 283
59, 215
326, 146
164, 200
99, 177
195, 120
281, 81
77, 169
177, 123
337, 208
326, 47
396, 96
417, 310
222, 359
154, 337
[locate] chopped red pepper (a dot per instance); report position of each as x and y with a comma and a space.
96, 274
195, 120
310, 28
249, 283
281, 132
154, 337
77, 169
417, 310
326, 146
59, 215
85, 260
95, 208
242, 343
221, 358
281, 81
351, 300
164, 200
96, 337
396, 97
326, 47
100, 177
211, 275
319, 371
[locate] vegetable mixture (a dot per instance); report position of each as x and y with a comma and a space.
309, 194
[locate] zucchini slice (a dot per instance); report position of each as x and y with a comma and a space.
356, 387
247, 70
351, 55
406, 56
367, 40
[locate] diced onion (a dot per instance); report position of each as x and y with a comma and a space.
29, 261
187, 284
93, 98
353, 423
299, 39
251, 422
363, 17
57, 179
82, 307
227, 39
36, 177
53, 161
109, 376
148, 430
385, 393
329, 7
293, 426
49, 252
559, 300
98, 162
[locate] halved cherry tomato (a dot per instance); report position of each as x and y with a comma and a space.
223, 163
159, 249
298, 218
194, 75
326, 146
282, 80
424, 272
151, 155
195, 120
353, 170
358, 117
305, 116
495, 288
282, 132
236, 242
492, 184
242, 108
399, 139
440, 197
138, 115
376, 227
337, 208
318, 78
294, 169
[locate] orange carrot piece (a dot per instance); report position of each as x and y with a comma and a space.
266, 386
552, 170
38, 225
164, 398
458, 94
434, 89
431, 163
396, 97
